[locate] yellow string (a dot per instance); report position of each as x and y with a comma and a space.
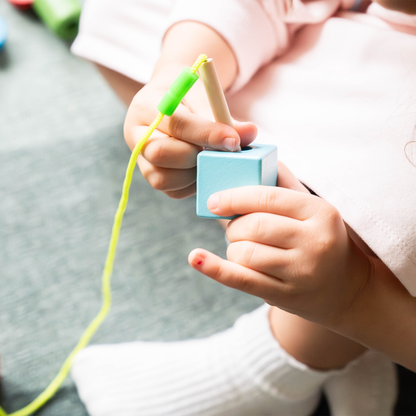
201, 59
106, 288
52, 388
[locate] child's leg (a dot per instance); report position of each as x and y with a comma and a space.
241, 371
367, 386
312, 344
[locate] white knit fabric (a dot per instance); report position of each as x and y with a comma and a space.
368, 388
242, 371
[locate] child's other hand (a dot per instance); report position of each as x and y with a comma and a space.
289, 248
168, 159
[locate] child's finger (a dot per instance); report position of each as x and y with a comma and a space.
137, 132
262, 258
185, 124
168, 152
163, 179
247, 132
271, 229
191, 128
199, 131
270, 199
234, 275
182, 193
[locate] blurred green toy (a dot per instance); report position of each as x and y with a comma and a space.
60, 16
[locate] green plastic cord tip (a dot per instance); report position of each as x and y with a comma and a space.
177, 92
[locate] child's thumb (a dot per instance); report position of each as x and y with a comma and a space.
247, 132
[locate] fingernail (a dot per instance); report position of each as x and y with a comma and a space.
199, 261
230, 144
212, 202
196, 259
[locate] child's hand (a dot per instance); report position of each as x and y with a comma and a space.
289, 248
168, 160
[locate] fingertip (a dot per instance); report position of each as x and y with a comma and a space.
196, 258
213, 201
247, 132
231, 144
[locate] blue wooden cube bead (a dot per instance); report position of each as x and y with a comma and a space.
217, 171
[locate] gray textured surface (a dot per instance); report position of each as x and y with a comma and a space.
62, 162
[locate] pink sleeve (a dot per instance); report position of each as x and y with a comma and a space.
257, 30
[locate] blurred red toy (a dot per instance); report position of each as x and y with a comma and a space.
22, 4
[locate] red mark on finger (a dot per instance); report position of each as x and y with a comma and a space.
199, 261
196, 260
